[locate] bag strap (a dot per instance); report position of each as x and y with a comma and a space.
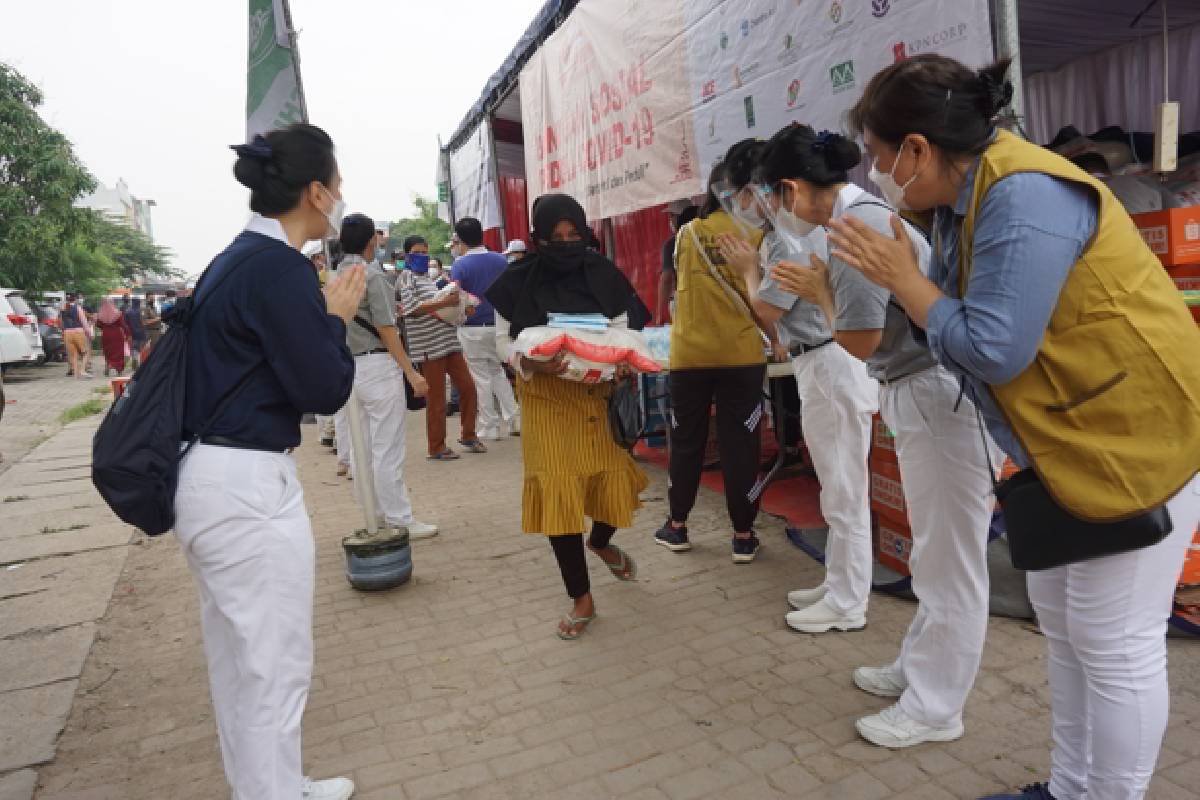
370, 328
733, 293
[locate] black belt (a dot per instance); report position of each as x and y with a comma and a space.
371, 352
801, 349
237, 444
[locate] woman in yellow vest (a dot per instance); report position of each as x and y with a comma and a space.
717, 358
1081, 355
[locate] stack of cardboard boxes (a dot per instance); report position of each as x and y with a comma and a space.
1174, 236
889, 513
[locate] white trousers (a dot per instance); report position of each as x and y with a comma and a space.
246, 536
837, 400
948, 490
497, 404
341, 437
379, 385
1105, 622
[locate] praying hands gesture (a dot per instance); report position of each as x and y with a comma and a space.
889, 261
809, 283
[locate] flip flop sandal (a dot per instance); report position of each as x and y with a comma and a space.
624, 571
445, 455
473, 446
571, 623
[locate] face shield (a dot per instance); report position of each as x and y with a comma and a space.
798, 238
743, 206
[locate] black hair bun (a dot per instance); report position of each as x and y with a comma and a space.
995, 92
841, 153
250, 172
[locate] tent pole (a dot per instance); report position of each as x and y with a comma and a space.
1008, 45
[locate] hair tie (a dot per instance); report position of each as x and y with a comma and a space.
258, 149
822, 141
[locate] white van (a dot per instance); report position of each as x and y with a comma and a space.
20, 341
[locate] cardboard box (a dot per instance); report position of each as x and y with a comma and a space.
1187, 279
887, 493
883, 443
1191, 565
1172, 234
895, 545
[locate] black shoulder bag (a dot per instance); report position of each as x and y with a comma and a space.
625, 413
1042, 534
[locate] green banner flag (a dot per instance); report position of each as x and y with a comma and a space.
274, 96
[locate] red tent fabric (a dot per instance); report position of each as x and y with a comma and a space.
639, 241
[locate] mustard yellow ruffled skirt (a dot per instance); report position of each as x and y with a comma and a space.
573, 469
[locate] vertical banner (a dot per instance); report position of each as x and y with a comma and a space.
273, 94
604, 106
472, 178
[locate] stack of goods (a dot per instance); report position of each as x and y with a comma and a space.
593, 349
887, 501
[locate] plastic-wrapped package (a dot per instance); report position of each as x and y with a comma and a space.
592, 356
455, 315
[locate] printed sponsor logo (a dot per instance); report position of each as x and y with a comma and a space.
788, 41
880, 8
841, 76
843, 20
793, 92
745, 27
708, 91
789, 54
835, 11
748, 102
742, 75
724, 40
931, 42
1156, 238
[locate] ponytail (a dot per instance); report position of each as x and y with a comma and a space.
797, 151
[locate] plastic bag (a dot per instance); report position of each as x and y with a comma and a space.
591, 356
455, 315
625, 413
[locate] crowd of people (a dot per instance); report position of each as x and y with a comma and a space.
128, 330
995, 300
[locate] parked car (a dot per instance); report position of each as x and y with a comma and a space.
50, 327
16, 343
22, 316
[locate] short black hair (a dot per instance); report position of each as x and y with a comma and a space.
470, 231
412, 241
741, 160
278, 173
357, 232
686, 216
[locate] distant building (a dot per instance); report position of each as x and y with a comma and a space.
117, 203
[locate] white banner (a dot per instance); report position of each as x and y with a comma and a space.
472, 179
629, 104
605, 105
757, 65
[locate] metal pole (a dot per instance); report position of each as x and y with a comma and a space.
1166, 56
364, 478
1008, 45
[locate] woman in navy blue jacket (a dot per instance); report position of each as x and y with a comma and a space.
240, 512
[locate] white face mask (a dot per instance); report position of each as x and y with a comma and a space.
892, 191
334, 216
435, 273
787, 220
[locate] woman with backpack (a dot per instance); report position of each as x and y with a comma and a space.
260, 315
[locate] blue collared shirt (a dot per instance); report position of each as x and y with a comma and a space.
475, 272
1029, 232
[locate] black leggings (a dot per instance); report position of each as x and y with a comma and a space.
738, 392
572, 559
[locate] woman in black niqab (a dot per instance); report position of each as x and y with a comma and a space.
574, 470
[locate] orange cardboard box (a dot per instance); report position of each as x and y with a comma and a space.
895, 545
1173, 234
883, 443
887, 494
1191, 565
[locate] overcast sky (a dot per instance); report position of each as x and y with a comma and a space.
154, 91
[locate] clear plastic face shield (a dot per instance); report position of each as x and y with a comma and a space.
743, 206
798, 238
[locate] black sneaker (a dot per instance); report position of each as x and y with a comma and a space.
672, 538
745, 549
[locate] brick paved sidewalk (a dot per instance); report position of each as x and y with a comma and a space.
36, 397
688, 685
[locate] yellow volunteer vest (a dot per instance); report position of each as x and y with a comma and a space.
709, 329
1109, 410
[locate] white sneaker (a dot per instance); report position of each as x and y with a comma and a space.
880, 681
820, 617
803, 598
892, 728
420, 530
332, 789
490, 435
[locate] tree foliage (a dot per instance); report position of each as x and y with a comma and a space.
436, 231
47, 243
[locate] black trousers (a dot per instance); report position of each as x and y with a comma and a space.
572, 558
738, 393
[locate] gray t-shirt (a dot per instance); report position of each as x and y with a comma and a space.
378, 307
899, 354
803, 323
